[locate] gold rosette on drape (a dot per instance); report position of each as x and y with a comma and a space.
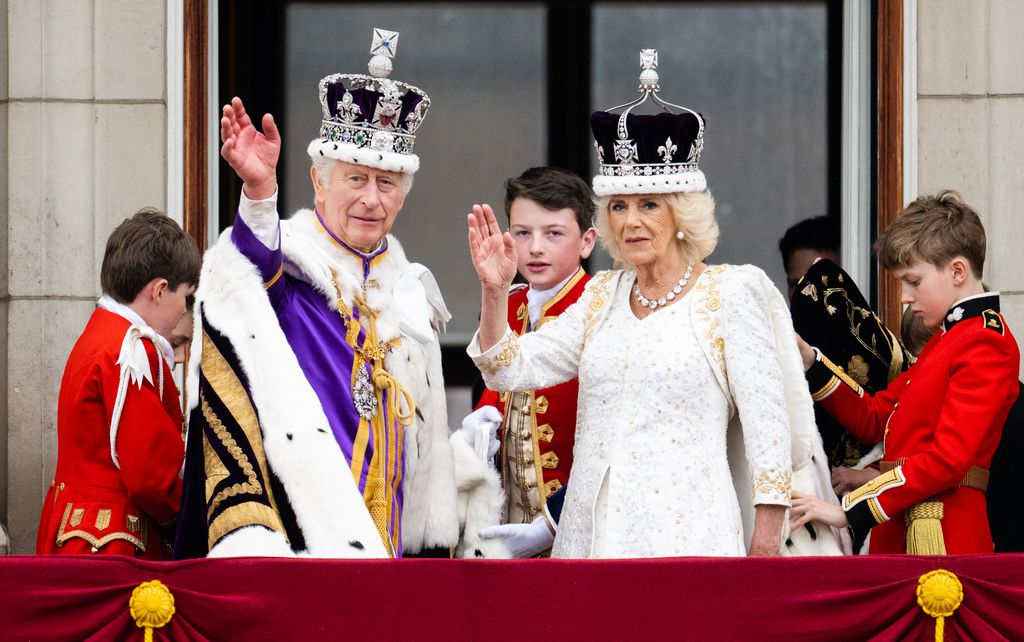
151, 606
939, 593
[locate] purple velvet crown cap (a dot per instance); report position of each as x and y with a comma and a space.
651, 154
367, 99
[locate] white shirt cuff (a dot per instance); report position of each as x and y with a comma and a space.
261, 217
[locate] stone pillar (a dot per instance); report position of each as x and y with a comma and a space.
970, 110
4, 296
84, 146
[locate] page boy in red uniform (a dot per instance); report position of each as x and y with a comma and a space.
119, 427
550, 212
941, 420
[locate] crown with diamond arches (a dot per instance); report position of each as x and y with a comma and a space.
648, 154
371, 119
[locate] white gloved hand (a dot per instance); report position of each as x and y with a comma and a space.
480, 428
522, 540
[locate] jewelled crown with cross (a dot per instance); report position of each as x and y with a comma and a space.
648, 154
371, 119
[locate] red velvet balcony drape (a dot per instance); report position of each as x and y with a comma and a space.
866, 598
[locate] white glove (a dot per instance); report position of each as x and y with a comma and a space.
480, 428
522, 540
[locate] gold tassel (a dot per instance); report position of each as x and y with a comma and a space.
924, 529
939, 593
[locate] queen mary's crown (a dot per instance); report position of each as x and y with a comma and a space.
648, 154
371, 119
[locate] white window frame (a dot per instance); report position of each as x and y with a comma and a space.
856, 123
856, 149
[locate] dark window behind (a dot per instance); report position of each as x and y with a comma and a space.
512, 85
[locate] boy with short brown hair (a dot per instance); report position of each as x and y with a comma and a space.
941, 420
550, 213
119, 421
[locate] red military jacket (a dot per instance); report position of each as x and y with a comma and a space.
92, 505
538, 427
939, 421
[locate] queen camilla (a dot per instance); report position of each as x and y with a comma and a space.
669, 351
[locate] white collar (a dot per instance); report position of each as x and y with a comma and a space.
109, 304
536, 299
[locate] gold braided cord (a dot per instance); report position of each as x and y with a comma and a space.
926, 510
373, 351
939, 593
924, 529
384, 380
151, 606
381, 485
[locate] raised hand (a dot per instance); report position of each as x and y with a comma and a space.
493, 253
252, 154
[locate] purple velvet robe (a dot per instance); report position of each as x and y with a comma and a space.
316, 333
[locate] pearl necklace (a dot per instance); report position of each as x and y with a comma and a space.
676, 289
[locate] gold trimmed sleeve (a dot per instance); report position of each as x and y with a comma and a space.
825, 377
876, 511
865, 516
772, 487
874, 488
863, 510
500, 356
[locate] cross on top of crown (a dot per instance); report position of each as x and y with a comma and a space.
648, 58
648, 67
385, 43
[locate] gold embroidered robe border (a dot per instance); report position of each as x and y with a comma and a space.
237, 490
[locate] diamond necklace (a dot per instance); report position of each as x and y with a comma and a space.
672, 294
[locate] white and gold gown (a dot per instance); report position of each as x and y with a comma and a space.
651, 476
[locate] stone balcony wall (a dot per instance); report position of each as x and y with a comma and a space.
82, 146
970, 90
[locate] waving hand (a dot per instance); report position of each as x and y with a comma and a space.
493, 253
494, 257
251, 153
